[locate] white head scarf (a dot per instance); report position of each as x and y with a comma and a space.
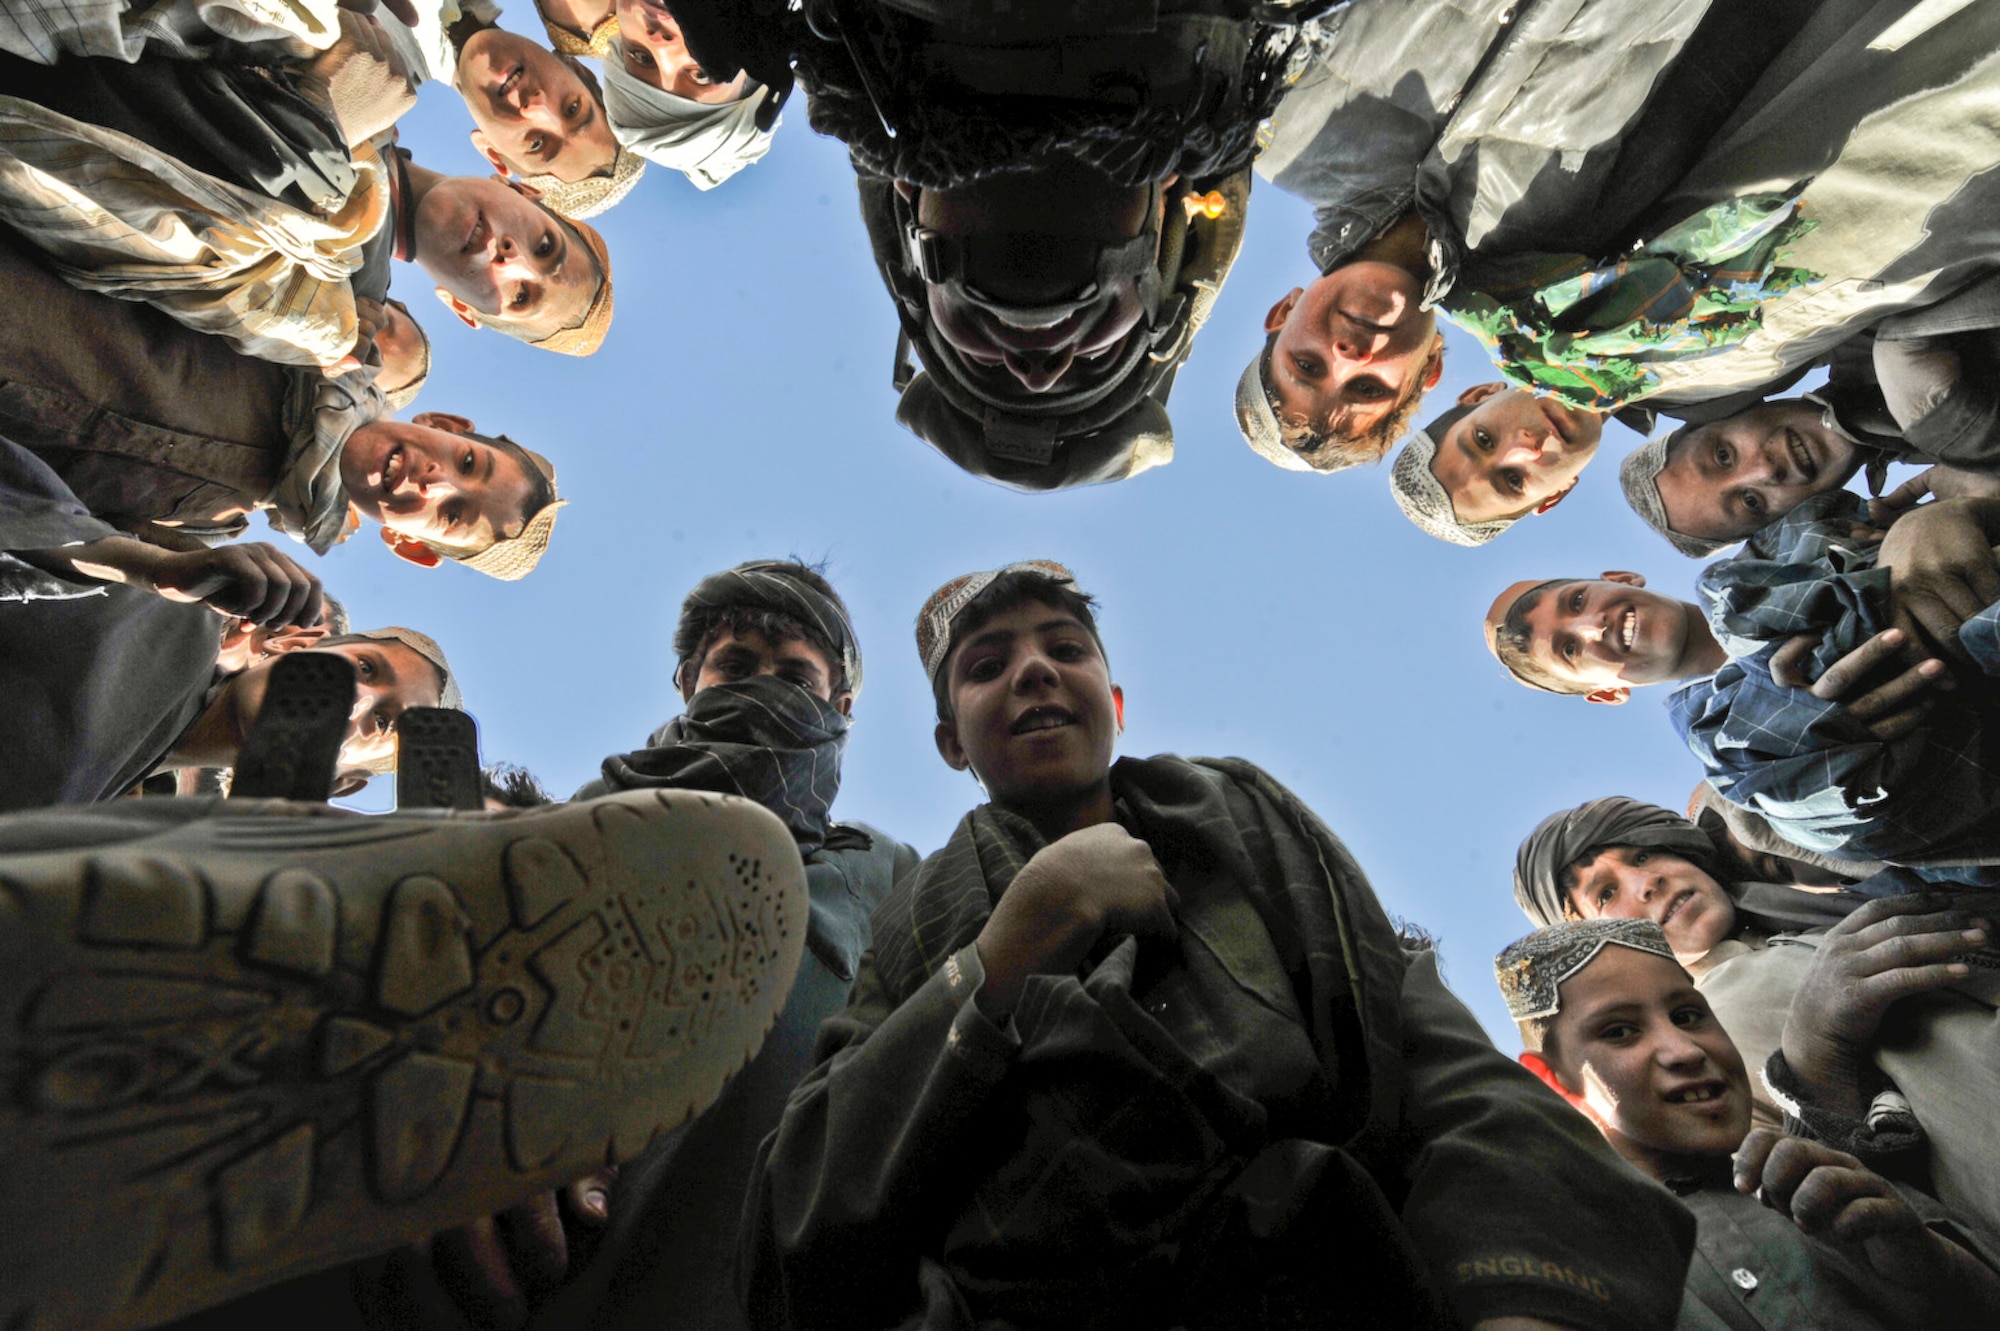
707, 144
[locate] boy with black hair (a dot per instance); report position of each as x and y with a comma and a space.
1139, 1048
1790, 1233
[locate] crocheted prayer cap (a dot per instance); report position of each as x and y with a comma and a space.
566, 42
1424, 500
514, 558
1258, 421
1639, 475
578, 199
587, 336
1532, 970
934, 621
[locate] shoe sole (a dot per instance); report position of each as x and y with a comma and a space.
248, 1040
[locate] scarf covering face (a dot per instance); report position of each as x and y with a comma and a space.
1531, 972
1586, 331
1563, 839
707, 143
310, 503
763, 738
766, 584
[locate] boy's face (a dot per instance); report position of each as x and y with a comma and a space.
1035, 715
427, 479
734, 657
1348, 345
655, 53
1609, 633
389, 678
1637, 1048
1633, 883
1727, 480
535, 116
1513, 452
499, 256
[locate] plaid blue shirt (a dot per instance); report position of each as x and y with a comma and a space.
1815, 772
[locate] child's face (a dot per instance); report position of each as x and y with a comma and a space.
1632, 883
1638, 1047
1348, 345
1512, 452
1034, 712
654, 51
490, 247
1610, 633
389, 679
734, 657
535, 116
1727, 480
433, 483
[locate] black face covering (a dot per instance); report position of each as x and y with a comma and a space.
763, 738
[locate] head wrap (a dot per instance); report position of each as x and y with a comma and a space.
578, 199
515, 557
768, 584
587, 335
1531, 972
706, 142
1639, 475
935, 619
423, 645
1258, 420
1424, 500
1565, 838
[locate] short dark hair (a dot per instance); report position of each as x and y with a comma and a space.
1017, 587
541, 493
705, 627
515, 787
1324, 450
1512, 640
1537, 1033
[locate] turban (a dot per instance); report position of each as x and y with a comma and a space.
423, 645
934, 621
706, 142
1531, 971
767, 584
1639, 475
1426, 502
1563, 839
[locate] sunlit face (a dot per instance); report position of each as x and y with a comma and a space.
734, 657
1512, 452
651, 48
401, 344
1608, 634
1725, 481
1348, 347
389, 678
1633, 883
1034, 712
531, 109
1639, 1045
490, 246
436, 485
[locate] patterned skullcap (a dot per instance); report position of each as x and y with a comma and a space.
566, 41
515, 557
1258, 421
588, 334
423, 645
935, 619
578, 199
1426, 502
1639, 475
1531, 971
1575, 835
768, 584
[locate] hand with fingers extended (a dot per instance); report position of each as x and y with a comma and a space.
1939, 482
1832, 1196
1890, 709
1092, 883
1942, 569
1887, 949
497, 1268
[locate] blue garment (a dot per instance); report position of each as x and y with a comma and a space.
1925, 799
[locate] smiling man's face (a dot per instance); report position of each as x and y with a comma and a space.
1727, 480
535, 116
430, 480
1603, 637
1034, 713
500, 257
1512, 452
1635, 883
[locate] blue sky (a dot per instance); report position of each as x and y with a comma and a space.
742, 408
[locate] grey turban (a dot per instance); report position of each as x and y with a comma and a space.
1576, 834
1639, 476
706, 142
766, 584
